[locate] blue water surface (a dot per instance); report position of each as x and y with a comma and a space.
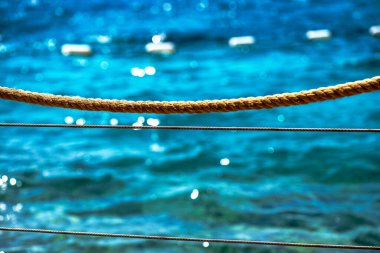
307, 187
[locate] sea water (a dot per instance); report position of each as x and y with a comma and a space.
295, 187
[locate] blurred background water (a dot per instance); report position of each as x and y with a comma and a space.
309, 187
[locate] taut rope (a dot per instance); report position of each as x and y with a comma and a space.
202, 106
192, 239
201, 128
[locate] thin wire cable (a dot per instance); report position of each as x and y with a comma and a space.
191, 239
200, 128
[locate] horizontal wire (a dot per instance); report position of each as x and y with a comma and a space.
312, 245
201, 128
191, 239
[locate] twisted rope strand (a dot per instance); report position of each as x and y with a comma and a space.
201, 128
201, 106
192, 239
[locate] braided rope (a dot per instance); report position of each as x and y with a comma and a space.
202, 106
192, 239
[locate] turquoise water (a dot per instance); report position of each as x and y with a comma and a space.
307, 187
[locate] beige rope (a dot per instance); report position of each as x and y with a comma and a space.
203, 106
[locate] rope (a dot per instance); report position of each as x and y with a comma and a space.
200, 128
191, 239
202, 106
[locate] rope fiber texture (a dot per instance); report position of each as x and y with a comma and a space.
201, 106
200, 128
192, 239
